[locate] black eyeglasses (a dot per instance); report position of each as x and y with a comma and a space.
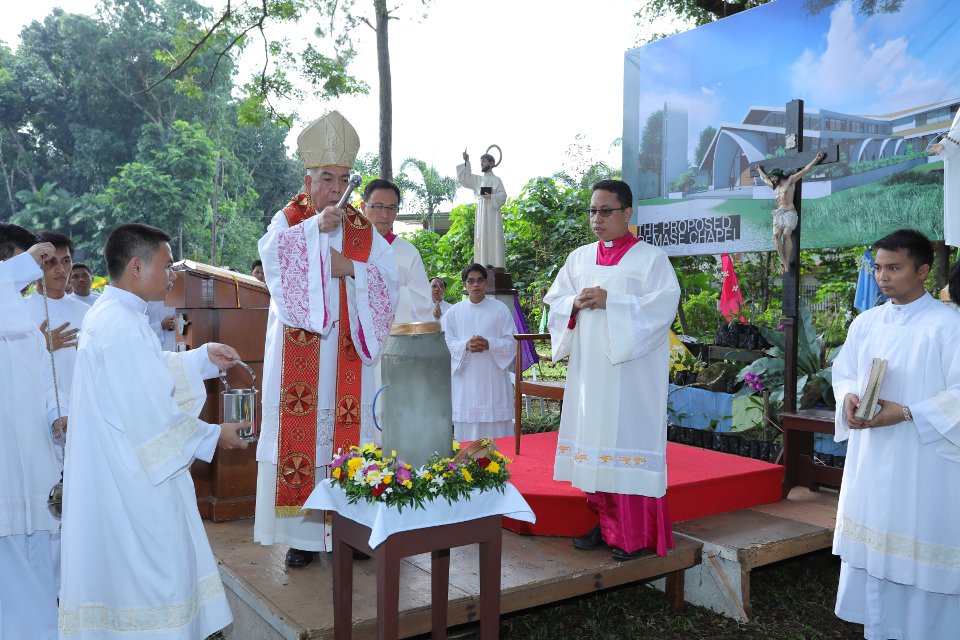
605, 212
393, 208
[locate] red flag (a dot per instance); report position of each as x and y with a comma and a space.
730, 297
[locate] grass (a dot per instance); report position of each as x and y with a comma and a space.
907, 199
792, 600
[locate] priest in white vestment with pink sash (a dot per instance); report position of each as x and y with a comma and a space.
898, 519
28, 469
330, 315
611, 307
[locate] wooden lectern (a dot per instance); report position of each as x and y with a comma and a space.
217, 305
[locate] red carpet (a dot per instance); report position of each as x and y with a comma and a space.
700, 483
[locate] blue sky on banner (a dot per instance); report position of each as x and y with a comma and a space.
839, 60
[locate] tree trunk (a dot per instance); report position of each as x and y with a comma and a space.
386, 90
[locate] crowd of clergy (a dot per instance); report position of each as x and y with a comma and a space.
94, 393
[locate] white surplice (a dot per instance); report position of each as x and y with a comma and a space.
28, 469
482, 386
898, 520
88, 299
157, 310
66, 309
488, 246
296, 263
951, 184
136, 559
414, 298
613, 425
444, 307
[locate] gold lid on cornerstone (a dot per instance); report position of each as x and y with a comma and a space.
414, 328
329, 141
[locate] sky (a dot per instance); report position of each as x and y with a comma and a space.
838, 60
528, 75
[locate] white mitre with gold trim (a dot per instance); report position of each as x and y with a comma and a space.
329, 141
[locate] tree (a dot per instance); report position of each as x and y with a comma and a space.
235, 29
651, 143
706, 137
431, 190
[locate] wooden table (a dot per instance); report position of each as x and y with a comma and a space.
349, 535
798, 430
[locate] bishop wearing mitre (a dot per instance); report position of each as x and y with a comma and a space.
334, 285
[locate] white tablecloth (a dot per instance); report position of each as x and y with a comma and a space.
384, 521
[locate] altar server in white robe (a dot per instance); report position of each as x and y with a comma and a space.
381, 204
136, 560
898, 519
438, 288
81, 281
65, 315
28, 470
949, 149
611, 307
304, 264
479, 333
488, 247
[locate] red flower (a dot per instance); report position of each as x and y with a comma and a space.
483, 462
379, 489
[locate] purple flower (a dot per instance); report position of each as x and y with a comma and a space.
402, 474
780, 327
753, 381
451, 465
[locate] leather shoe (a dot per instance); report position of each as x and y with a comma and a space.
298, 557
593, 539
623, 556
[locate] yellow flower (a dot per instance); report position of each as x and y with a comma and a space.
466, 475
387, 479
456, 446
408, 484
493, 467
428, 476
406, 466
354, 463
393, 452
368, 448
336, 473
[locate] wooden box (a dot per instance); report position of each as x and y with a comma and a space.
218, 305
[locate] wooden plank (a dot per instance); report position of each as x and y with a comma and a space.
813, 507
535, 571
753, 538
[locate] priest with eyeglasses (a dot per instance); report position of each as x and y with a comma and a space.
611, 307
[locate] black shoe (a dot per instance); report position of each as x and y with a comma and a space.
298, 557
593, 539
623, 556
360, 555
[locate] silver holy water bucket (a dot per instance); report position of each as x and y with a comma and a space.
240, 405
418, 414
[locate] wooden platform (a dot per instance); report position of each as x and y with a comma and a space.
735, 543
270, 601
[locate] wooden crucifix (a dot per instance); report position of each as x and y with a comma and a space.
783, 175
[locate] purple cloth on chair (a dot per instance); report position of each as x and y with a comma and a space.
528, 355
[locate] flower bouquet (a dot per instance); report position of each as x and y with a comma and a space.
363, 473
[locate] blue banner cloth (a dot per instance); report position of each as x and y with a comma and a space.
868, 293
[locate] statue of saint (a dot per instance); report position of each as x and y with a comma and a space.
491, 196
785, 215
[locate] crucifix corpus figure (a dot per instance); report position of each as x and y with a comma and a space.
785, 216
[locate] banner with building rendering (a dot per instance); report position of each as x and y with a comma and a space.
700, 106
